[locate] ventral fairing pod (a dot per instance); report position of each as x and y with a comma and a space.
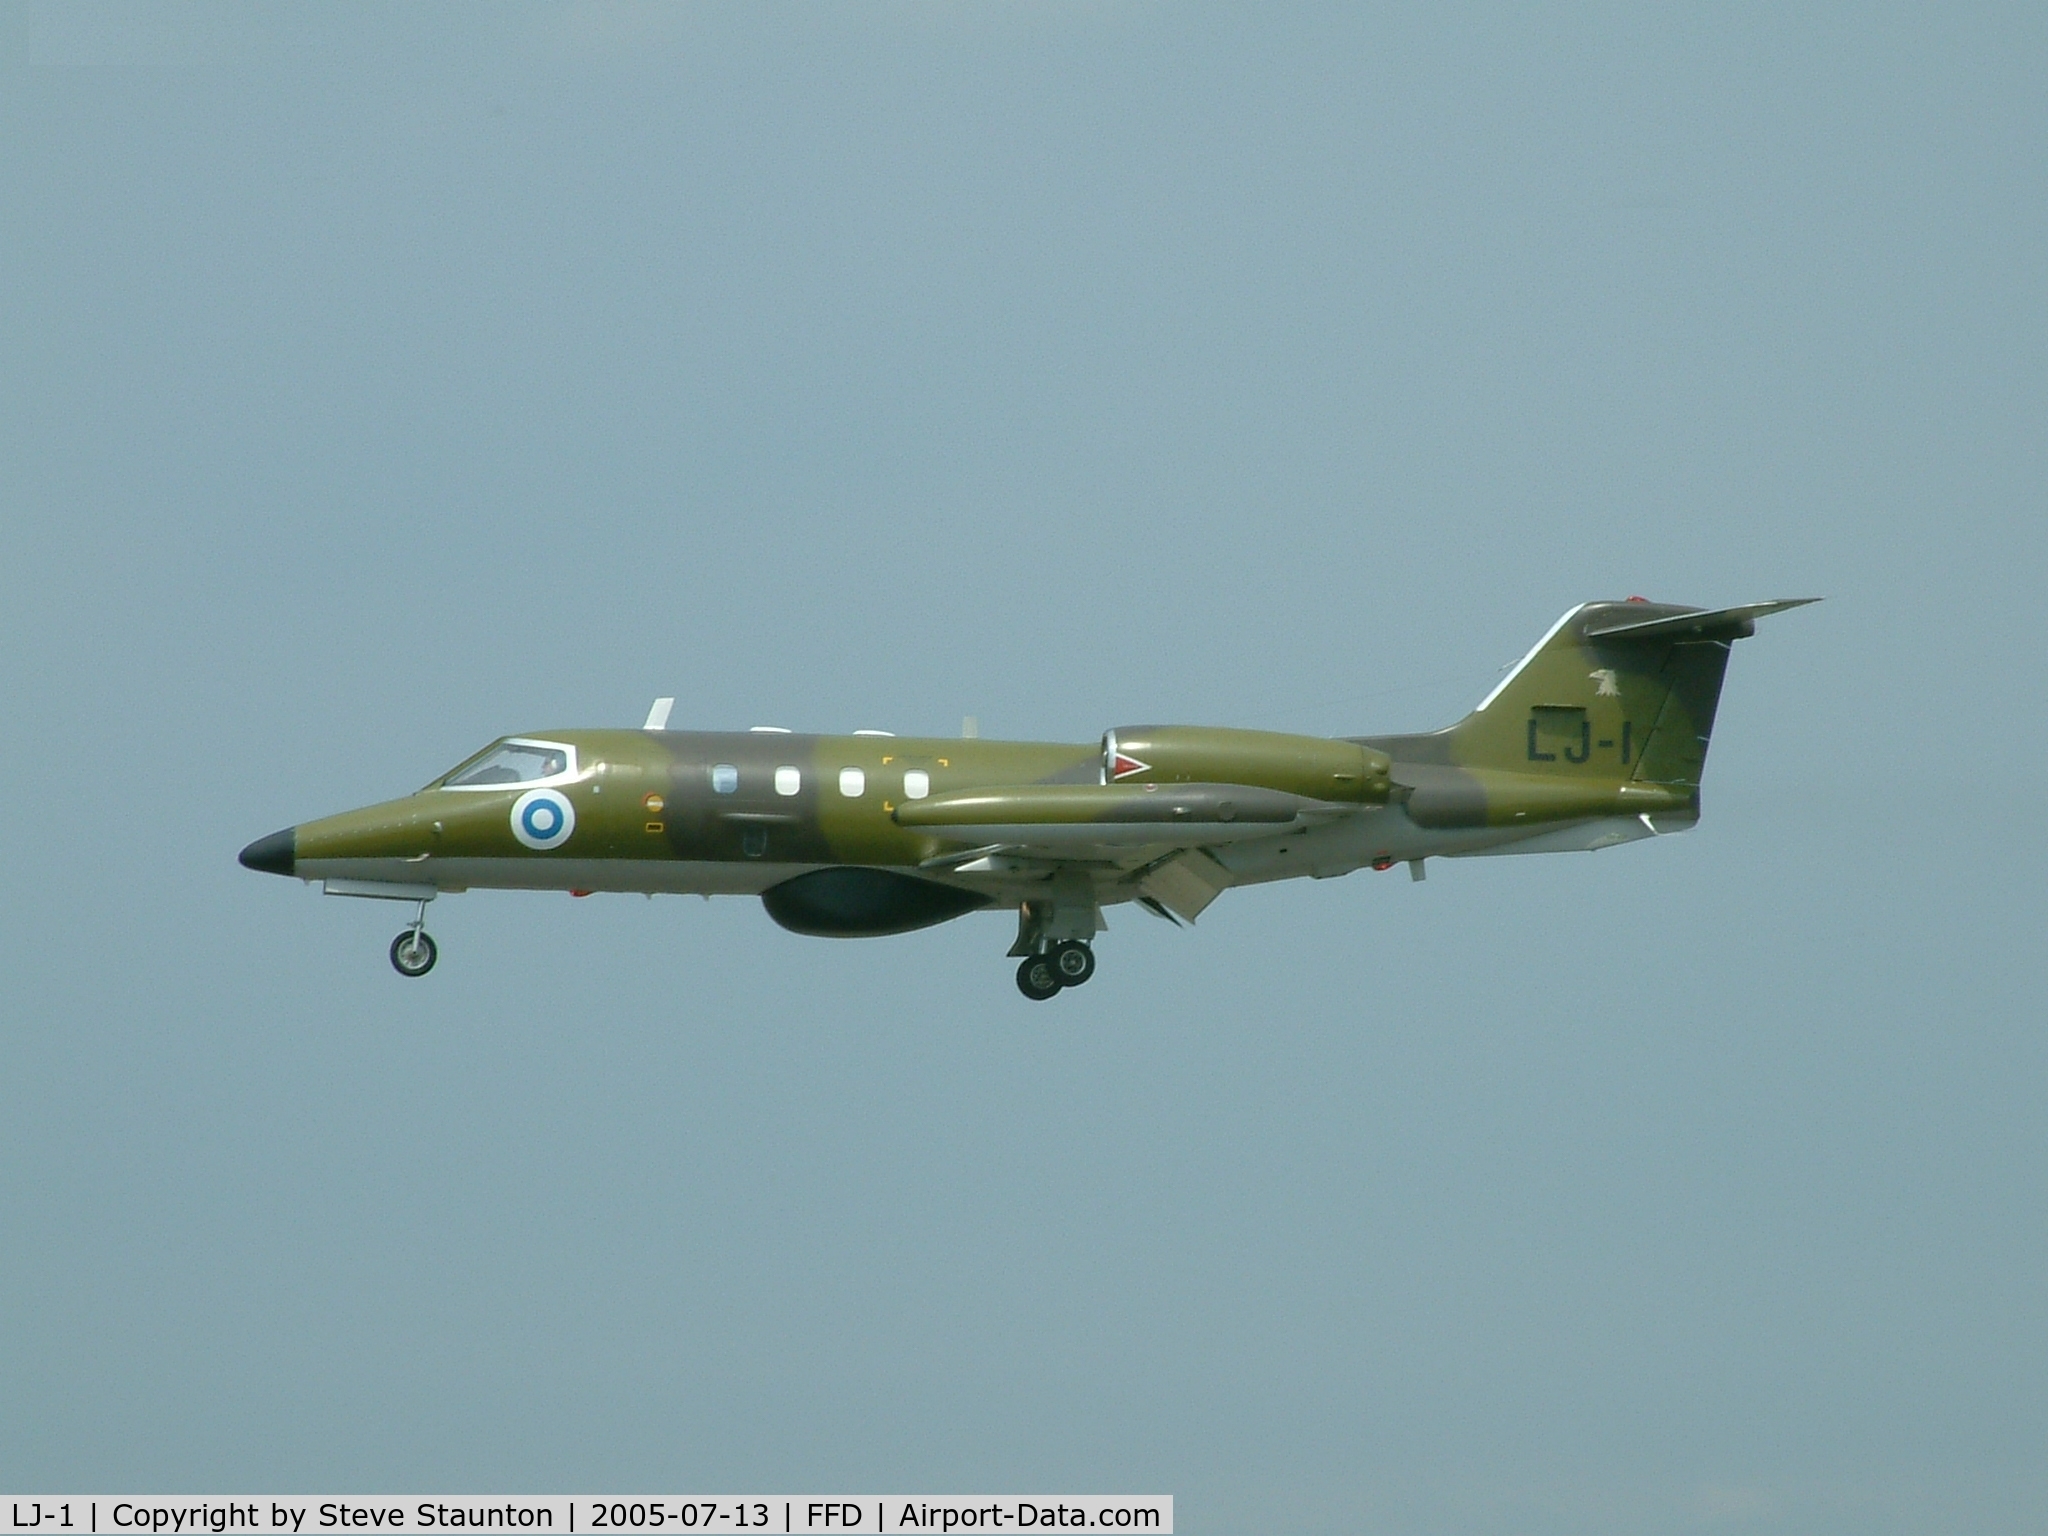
1597, 737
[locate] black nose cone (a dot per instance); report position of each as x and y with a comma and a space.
275, 854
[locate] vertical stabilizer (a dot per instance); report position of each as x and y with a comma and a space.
1617, 691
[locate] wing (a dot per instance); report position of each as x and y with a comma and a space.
1146, 839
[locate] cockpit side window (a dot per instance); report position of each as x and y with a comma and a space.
514, 762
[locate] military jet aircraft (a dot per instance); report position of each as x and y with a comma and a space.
1597, 737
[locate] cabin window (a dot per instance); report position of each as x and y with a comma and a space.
515, 762
916, 784
788, 780
725, 779
852, 783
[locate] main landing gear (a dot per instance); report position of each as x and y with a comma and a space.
1065, 964
413, 952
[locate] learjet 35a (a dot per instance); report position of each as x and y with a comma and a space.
1597, 737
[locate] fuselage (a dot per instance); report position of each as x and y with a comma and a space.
696, 812
738, 813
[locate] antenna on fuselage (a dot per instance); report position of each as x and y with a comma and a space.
657, 715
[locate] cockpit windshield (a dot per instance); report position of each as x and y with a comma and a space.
514, 762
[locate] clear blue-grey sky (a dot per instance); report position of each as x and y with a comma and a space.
380, 380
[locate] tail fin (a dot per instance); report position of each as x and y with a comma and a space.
1621, 691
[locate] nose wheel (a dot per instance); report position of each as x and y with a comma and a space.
1067, 964
413, 952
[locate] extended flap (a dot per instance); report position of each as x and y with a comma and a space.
1186, 883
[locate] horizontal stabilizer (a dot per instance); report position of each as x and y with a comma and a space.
1703, 624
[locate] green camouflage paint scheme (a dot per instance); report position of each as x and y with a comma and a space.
619, 769
1599, 736
1592, 724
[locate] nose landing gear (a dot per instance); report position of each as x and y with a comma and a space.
1065, 964
413, 953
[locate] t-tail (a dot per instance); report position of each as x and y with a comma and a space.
1610, 714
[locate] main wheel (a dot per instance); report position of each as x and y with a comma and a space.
1037, 978
413, 953
1074, 961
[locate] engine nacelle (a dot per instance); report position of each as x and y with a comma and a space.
1315, 767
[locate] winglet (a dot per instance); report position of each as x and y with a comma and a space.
657, 715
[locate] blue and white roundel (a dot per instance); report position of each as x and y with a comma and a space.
543, 819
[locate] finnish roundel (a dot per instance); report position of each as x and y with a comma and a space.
543, 819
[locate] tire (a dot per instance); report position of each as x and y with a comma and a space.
413, 953
1037, 978
1074, 961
